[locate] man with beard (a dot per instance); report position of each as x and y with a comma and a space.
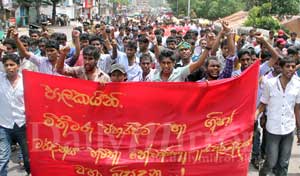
213, 66
89, 70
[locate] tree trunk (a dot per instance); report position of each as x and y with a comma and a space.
38, 11
53, 12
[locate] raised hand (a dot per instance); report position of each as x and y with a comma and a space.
225, 26
65, 50
75, 34
210, 40
3, 48
259, 37
15, 34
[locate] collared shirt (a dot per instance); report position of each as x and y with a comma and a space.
178, 75
11, 103
43, 64
281, 104
80, 73
104, 63
148, 76
134, 72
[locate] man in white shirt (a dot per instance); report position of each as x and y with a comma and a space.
130, 62
281, 95
12, 112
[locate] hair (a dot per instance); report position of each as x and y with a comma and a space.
286, 60
97, 26
84, 36
145, 56
157, 32
54, 36
52, 44
78, 29
159, 39
143, 39
43, 40
25, 39
125, 38
243, 52
11, 42
131, 44
34, 31
171, 39
33, 42
166, 53
96, 38
293, 33
62, 36
14, 57
91, 51
209, 59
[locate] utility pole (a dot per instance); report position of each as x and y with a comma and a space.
99, 8
177, 8
189, 8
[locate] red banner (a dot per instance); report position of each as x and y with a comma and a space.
78, 127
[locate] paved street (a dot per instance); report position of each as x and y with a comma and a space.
14, 168
294, 169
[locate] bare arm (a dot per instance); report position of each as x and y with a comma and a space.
274, 53
61, 61
22, 49
261, 108
195, 65
76, 35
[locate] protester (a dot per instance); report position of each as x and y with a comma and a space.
12, 114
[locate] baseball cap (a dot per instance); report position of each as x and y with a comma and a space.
118, 67
281, 41
280, 32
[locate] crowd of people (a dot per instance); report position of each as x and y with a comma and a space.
139, 51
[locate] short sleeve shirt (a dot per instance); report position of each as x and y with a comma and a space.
178, 75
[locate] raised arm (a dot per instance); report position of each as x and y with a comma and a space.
195, 65
76, 35
61, 61
22, 50
274, 53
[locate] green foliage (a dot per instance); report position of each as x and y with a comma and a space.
123, 2
279, 8
260, 17
210, 9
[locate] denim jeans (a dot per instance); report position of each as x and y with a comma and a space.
6, 136
4, 151
278, 154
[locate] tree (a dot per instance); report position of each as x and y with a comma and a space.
210, 9
54, 4
260, 17
279, 8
